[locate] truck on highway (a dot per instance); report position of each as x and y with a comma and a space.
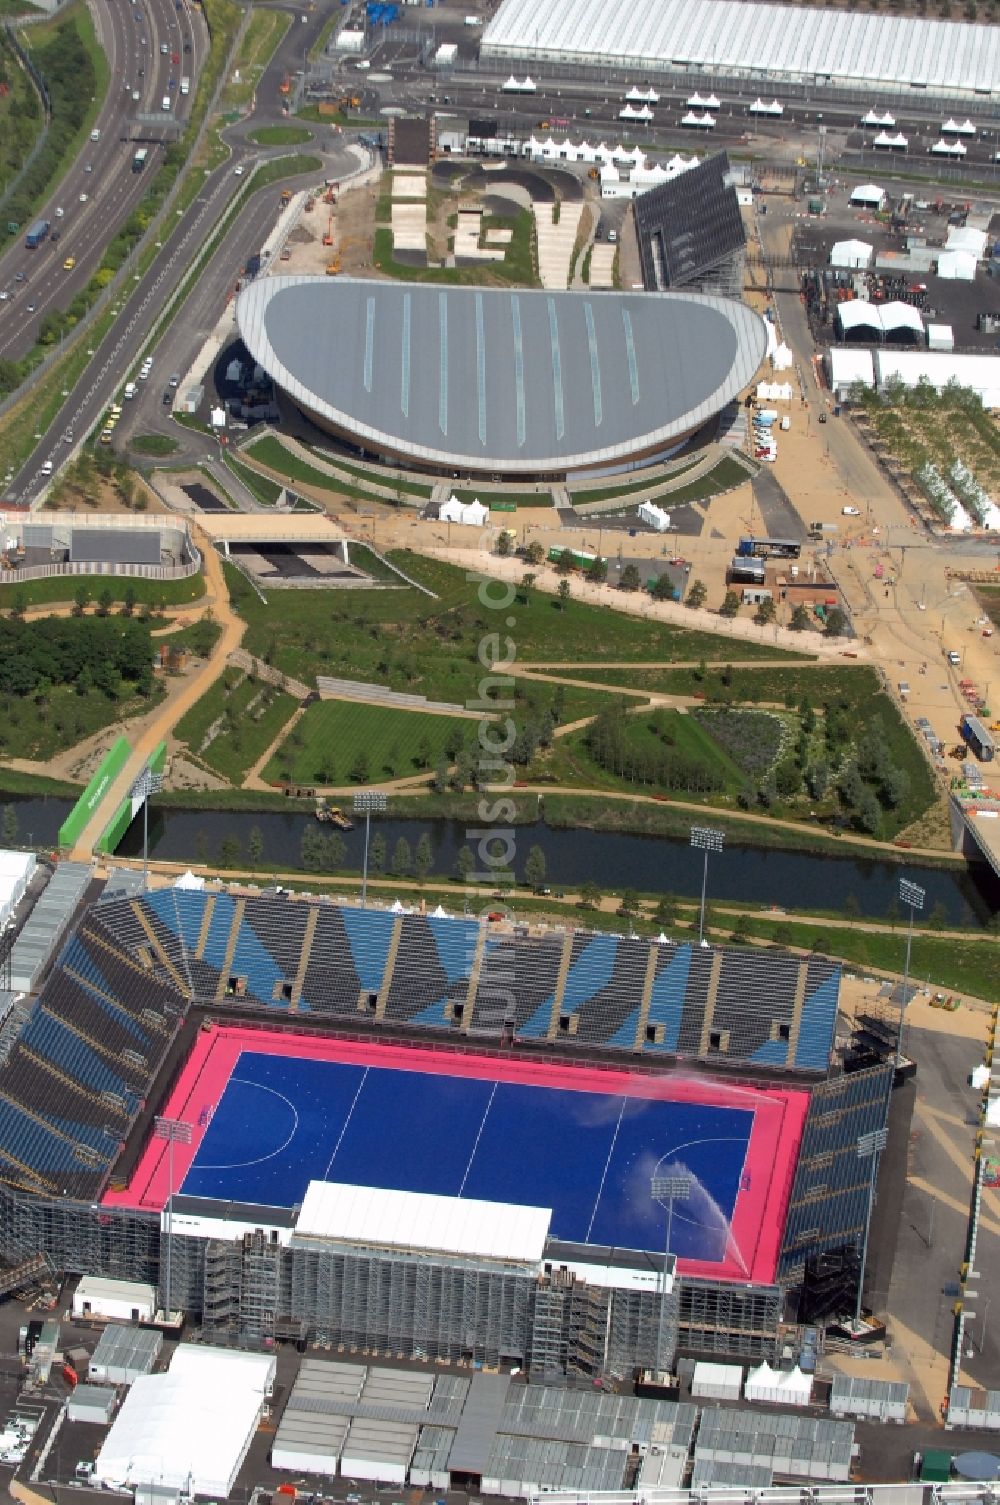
140, 159
36, 234
978, 738
185, 85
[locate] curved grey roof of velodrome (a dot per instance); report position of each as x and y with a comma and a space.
505, 380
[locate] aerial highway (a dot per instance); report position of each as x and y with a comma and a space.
100, 190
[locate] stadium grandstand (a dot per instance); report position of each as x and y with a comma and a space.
690, 231
434, 1136
498, 382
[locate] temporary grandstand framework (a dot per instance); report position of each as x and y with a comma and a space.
690, 231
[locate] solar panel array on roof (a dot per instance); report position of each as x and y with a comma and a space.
114, 546
689, 227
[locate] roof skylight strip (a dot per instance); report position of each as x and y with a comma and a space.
515, 313
481, 367
443, 362
557, 382
404, 380
595, 364
633, 365
369, 342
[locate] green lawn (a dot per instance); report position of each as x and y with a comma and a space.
271, 452
261, 38
281, 135
64, 587
263, 488
252, 714
519, 498
375, 477
153, 444
989, 597
340, 742
648, 482
517, 267
722, 477
570, 762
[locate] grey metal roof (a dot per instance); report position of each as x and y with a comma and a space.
122, 1346
501, 380
115, 546
45, 925
740, 39
854, 1387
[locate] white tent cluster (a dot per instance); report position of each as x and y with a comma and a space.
469, 514
957, 266
774, 391
944, 148
654, 516
697, 103
889, 319
778, 1387
884, 142
624, 171
954, 128
965, 238
868, 196
782, 358
705, 122
635, 112
853, 254
760, 108
874, 121
514, 85
642, 96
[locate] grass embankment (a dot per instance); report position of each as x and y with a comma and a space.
62, 588
270, 451
722, 477
233, 726
257, 47
159, 445
341, 742
263, 488
67, 55
373, 477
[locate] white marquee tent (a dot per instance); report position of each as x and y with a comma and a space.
655, 516
981, 373
779, 1387
188, 1429
16, 869
949, 149
471, 514
868, 194
965, 238
851, 253
957, 266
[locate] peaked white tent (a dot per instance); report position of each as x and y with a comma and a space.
869, 195
949, 149
874, 120
885, 142
471, 514
965, 238
655, 516
189, 880
778, 1387
851, 253
957, 266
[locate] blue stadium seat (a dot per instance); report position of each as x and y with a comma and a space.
666, 1001
48, 1037
590, 971
818, 1023
369, 932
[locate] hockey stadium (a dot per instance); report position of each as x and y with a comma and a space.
430, 1136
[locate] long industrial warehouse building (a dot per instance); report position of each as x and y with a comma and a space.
501, 383
734, 39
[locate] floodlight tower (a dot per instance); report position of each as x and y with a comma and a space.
148, 783
705, 839
666, 1190
913, 896
173, 1131
365, 801
869, 1147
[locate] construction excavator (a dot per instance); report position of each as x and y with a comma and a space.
328, 236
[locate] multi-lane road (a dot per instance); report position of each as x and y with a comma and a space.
100, 191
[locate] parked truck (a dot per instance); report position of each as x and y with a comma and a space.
36, 234
978, 738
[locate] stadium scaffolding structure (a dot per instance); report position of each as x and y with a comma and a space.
108, 1037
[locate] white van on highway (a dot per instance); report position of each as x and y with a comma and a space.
165, 104
130, 391
95, 134
185, 85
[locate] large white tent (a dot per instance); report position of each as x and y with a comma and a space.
779, 1387
892, 320
16, 869
957, 266
965, 238
847, 365
869, 195
188, 1429
855, 254
981, 373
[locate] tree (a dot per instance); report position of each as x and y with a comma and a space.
465, 862
564, 594
629, 905
20, 604
665, 912
402, 858
359, 768
740, 933
730, 605
938, 917
128, 603
782, 936
534, 868
230, 852
423, 857
255, 846
105, 601
664, 589
590, 895
765, 612
892, 912
9, 828
81, 599
376, 853
836, 622
311, 849
334, 851
566, 563
852, 906
800, 619
696, 594
505, 544
597, 571
630, 579
534, 553
869, 811
527, 582
441, 776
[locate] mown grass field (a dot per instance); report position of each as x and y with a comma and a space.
573, 764
333, 735
252, 714
64, 587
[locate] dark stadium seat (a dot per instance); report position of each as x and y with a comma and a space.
517, 983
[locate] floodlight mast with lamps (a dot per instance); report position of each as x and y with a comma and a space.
912, 895
146, 784
666, 1190
174, 1131
365, 801
869, 1147
705, 839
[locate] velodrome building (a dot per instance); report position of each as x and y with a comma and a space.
501, 383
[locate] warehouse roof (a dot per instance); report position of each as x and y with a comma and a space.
748, 38
503, 380
417, 1220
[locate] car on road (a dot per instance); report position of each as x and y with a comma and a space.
32, 307
84, 197
135, 96
850, 511
4, 295
20, 277
69, 263
60, 212
187, 46
168, 398
238, 171
47, 468
175, 380
164, 49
